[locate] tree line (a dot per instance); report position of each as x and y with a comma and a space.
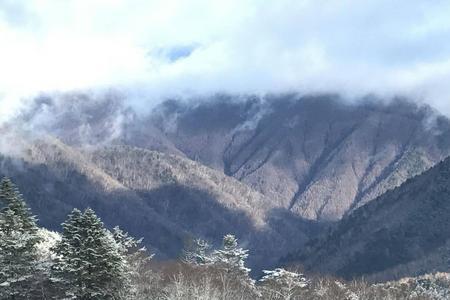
88, 261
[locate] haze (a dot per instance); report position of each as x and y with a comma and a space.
154, 49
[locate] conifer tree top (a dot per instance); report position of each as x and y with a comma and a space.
90, 262
18, 240
12, 203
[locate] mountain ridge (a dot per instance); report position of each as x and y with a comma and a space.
295, 155
164, 198
319, 156
403, 232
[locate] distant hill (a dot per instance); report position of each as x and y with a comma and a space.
316, 156
164, 198
406, 231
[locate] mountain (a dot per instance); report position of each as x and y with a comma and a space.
319, 157
406, 231
164, 198
274, 170
55, 178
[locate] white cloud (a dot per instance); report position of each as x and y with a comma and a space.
348, 46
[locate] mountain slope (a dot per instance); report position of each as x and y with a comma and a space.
319, 157
143, 170
164, 198
406, 231
205, 202
55, 178
316, 156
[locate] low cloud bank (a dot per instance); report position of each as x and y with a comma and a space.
154, 49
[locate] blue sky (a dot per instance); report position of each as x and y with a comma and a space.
185, 47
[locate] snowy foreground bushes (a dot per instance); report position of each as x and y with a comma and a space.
88, 261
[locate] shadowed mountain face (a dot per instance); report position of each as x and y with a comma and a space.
164, 198
316, 156
55, 178
406, 231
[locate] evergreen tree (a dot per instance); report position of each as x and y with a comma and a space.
18, 240
231, 257
11, 199
90, 264
197, 252
282, 284
67, 265
228, 265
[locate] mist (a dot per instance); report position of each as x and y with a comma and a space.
151, 50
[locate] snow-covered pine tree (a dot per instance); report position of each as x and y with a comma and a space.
65, 270
196, 252
282, 284
18, 240
90, 264
231, 257
230, 263
11, 199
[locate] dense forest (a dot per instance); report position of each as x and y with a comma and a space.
86, 260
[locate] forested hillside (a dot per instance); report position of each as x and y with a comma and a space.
88, 261
164, 198
318, 156
403, 232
